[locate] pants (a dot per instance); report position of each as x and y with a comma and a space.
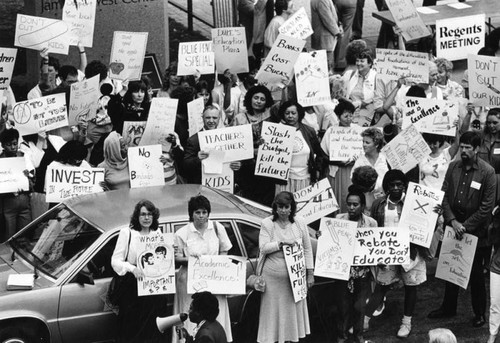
17, 213
357, 26
352, 306
494, 303
346, 12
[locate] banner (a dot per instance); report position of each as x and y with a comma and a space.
132, 132
161, 122
297, 26
12, 178
156, 260
236, 141
395, 64
431, 115
196, 57
127, 55
40, 114
335, 249
230, 49
311, 77
316, 201
80, 17
458, 37
346, 143
68, 182
275, 154
418, 213
296, 267
84, 100
145, 167
219, 274
381, 245
484, 84
407, 19
7, 61
40, 33
195, 115
223, 181
456, 257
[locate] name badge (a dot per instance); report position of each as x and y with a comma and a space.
496, 151
475, 185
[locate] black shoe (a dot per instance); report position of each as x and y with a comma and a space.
440, 313
478, 321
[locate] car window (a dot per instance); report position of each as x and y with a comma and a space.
235, 249
100, 264
250, 235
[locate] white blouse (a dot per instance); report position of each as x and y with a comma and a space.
211, 242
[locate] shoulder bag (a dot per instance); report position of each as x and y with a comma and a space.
119, 285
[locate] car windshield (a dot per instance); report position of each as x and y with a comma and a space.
55, 240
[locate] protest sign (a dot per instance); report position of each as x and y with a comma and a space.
296, 267
431, 115
297, 26
407, 19
127, 55
230, 49
311, 76
223, 181
156, 260
132, 132
196, 57
279, 63
236, 141
458, 37
7, 61
456, 257
195, 115
346, 143
395, 64
316, 201
41, 114
406, 150
161, 121
219, 274
381, 245
40, 33
484, 83
68, 182
335, 249
418, 213
83, 100
12, 178
275, 154
145, 167
80, 17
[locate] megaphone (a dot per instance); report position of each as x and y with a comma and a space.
163, 323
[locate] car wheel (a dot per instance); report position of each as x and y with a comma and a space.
13, 334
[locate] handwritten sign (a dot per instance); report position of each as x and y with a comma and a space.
298, 25
407, 19
381, 245
84, 100
80, 17
346, 143
127, 55
296, 266
335, 249
311, 75
195, 115
68, 182
223, 181
316, 201
431, 115
41, 114
418, 213
484, 84
230, 48
196, 57
395, 64
132, 132
406, 150
275, 155
161, 121
7, 61
12, 178
236, 141
456, 257
156, 260
145, 167
40, 33
458, 37
219, 274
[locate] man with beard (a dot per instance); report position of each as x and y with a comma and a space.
469, 188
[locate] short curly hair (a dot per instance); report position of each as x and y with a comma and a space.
353, 49
206, 304
289, 103
444, 63
376, 135
364, 177
247, 101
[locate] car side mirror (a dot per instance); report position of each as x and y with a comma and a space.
84, 278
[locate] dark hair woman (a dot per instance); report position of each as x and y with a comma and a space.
203, 311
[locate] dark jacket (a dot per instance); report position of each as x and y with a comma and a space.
210, 332
120, 112
191, 165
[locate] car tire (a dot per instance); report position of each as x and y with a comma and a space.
14, 334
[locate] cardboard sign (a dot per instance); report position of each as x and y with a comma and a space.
407, 19
223, 181
127, 55
195, 115
132, 132
298, 25
456, 257
80, 17
7, 61
41, 114
381, 245
219, 274
236, 141
431, 115
230, 48
156, 260
296, 267
12, 178
84, 100
395, 64
335, 249
406, 150
316, 201
279, 63
196, 57
418, 213
484, 84
346, 143
38, 33
68, 182
311, 76
161, 121
458, 37
145, 166
275, 155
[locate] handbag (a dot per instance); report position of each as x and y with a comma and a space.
119, 285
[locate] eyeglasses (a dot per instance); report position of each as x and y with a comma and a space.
146, 214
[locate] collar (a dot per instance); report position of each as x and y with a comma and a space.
194, 230
400, 201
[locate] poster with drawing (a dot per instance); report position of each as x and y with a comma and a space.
132, 132
296, 267
40, 33
316, 201
127, 55
434, 116
219, 274
83, 100
311, 76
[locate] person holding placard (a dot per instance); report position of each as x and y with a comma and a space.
434, 167
283, 9
203, 90
172, 81
489, 150
115, 164
450, 88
